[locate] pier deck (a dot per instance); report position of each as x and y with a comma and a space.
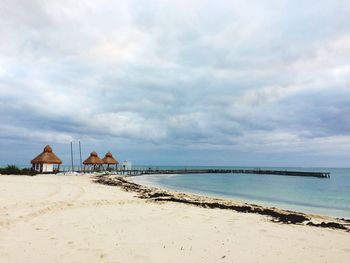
227, 171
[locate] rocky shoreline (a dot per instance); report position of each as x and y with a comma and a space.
275, 214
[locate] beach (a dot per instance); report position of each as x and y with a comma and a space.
51, 218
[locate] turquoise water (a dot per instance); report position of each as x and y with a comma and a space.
305, 194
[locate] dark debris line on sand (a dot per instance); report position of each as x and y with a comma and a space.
157, 195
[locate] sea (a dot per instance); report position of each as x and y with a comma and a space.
324, 196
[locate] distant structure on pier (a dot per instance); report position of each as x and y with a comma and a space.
93, 162
127, 165
110, 160
46, 161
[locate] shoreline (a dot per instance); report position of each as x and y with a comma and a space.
274, 214
295, 207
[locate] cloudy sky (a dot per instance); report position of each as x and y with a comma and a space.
184, 82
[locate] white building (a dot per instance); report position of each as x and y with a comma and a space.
46, 162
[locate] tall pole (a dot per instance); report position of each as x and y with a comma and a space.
71, 155
81, 162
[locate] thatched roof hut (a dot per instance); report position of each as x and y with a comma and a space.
46, 157
93, 159
109, 159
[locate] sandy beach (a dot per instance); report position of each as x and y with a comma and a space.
50, 218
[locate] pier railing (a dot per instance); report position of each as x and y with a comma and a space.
227, 171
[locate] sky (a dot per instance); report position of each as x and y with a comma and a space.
183, 82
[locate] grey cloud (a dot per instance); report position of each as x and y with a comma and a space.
189, 75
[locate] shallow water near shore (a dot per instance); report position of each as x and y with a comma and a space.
305, 194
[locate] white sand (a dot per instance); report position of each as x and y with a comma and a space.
70, 219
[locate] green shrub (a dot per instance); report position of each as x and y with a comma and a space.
28, 171
13, 169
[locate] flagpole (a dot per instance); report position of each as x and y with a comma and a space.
81, 162
71, 155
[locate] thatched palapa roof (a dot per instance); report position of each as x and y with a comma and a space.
47, 156
93, 159
109, 159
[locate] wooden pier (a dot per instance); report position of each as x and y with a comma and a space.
135, 172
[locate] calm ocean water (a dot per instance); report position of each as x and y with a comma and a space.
305, 194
